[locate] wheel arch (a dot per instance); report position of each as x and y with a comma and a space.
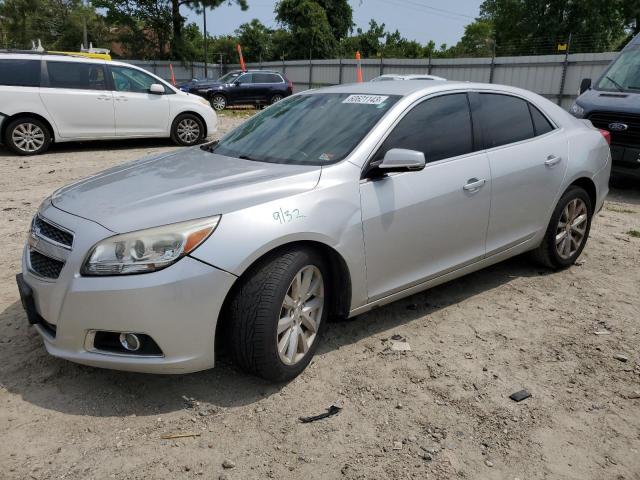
340, 279
10, 118
190, 112
589, 186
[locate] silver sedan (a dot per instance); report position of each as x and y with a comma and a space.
327, 204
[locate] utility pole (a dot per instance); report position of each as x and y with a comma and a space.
85, 37
204, 17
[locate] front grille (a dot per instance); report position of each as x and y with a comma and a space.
44, 266
47, 230
629, 137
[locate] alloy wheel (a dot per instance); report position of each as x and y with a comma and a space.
28, 137
218, 102
188, 130
571, 229
300, 315
276, 98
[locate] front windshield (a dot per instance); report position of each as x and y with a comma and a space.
229, 77
624, 74
311, 129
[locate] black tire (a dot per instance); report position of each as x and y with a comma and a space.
218, 102
547, 252
276, 98
40, 134
255, 310
187, 130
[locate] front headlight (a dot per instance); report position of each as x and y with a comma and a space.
147, 250
577, 111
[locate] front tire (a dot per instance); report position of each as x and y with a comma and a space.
568, 230
218, 102
187, 130
27, 136
277, 314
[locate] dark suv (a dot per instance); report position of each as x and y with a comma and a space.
612, 103
253, 87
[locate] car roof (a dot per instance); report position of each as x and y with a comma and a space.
424, 87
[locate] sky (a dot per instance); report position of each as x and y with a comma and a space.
421, 20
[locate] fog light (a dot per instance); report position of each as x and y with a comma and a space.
130, 341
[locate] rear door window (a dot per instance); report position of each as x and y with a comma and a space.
20, 73
439, 127
504, 119
76, 75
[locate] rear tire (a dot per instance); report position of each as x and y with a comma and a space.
274, 326
567, 232
187, 130
27, 136
276, 98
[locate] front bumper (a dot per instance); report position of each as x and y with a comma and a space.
177, 307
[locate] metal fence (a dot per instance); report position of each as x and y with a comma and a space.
556, 77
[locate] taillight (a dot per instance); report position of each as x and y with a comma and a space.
290, 84
606, 135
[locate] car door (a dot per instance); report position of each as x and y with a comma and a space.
137, 111
77, 97
418, 225
243, 90
528, 162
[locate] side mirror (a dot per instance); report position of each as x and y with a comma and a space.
585, 85
401, 160
156, 89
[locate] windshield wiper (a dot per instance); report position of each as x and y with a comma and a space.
249, 157
210, 147
617, 85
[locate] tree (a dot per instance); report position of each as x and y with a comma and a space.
340, 17
256, 40
307, 22
536, 26
477, 40
57, 23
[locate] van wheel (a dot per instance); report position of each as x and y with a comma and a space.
27, 136
568, 230
218, 102
187, 130
277, 314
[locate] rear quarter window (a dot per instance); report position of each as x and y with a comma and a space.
20, 73
540, 122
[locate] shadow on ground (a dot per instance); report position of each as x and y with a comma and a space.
50, 383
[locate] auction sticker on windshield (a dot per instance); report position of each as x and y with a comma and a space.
365, 99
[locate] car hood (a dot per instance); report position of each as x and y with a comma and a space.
622, 102
184, 185
208, 85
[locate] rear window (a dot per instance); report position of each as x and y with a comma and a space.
20, 73
82, 76
266, 78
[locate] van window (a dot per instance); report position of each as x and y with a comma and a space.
132, 80
439, 127
504, 119
77, 75
20, 73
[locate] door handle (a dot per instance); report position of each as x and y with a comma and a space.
103, 97
473, 184
552, 160
121, 99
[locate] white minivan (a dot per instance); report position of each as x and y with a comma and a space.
47, 98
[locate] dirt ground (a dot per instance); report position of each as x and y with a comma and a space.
439, 411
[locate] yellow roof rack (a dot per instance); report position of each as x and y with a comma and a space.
100, 56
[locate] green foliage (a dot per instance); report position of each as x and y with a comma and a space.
57, 23
308, 24
536, 26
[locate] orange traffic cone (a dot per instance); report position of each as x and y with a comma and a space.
359, 67
173, 78
243, 67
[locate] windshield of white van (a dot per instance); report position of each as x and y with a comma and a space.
624, 74
314, 129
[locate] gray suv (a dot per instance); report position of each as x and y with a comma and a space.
612, 103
